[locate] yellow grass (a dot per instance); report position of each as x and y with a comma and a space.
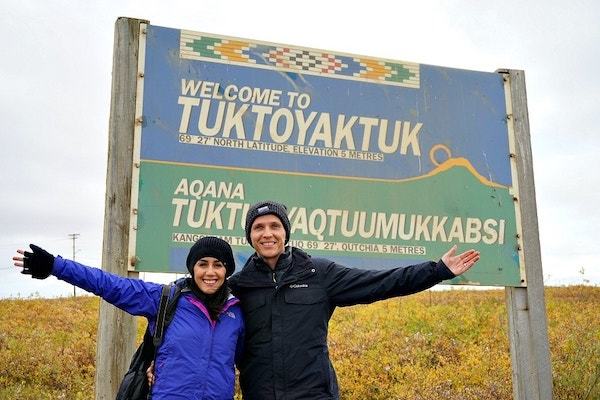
448, 344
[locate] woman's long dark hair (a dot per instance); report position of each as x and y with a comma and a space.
213, 302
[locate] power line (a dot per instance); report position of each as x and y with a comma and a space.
25, 243
74, 236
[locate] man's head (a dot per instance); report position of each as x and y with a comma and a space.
267, 208
268, 230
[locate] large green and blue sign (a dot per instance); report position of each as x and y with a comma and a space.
381, 163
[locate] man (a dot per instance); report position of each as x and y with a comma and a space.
288, 297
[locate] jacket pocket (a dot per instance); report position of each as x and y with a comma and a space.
305, 296
257, 318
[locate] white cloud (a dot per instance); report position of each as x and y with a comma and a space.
56, 75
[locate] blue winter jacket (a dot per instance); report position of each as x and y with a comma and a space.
196, 359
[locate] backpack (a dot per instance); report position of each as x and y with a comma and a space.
134, 385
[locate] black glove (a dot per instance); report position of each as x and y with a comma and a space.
37, 264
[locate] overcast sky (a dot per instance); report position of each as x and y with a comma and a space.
55, 77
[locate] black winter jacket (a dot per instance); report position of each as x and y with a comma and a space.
285, 353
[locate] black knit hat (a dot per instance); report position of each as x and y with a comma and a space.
210, 246
265, 208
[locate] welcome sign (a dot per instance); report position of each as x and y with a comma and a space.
381, 163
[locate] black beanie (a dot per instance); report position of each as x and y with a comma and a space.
210, 246
265, 208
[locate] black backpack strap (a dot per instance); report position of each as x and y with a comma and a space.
167, 307
160, 318
181, 286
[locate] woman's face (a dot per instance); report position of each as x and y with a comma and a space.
209, 274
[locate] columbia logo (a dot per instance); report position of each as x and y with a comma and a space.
230, 314
298, 286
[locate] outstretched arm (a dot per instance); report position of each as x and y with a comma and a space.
131, 295
348, 286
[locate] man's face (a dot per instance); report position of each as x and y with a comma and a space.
268, 238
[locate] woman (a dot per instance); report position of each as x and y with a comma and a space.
197, 356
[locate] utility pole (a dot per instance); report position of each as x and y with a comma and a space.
74, 236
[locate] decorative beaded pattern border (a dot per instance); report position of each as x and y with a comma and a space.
202, 46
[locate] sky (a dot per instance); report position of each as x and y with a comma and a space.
55, 77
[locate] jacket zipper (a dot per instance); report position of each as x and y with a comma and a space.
209, 361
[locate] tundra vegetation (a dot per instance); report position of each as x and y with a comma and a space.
438, 344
